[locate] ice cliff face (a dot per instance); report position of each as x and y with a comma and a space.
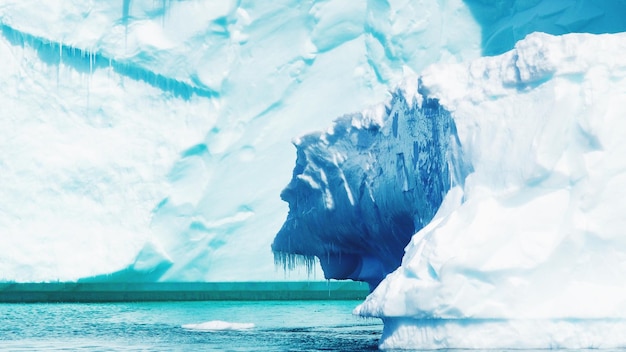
361, 189
151, 139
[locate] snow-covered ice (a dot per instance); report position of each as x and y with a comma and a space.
530, 252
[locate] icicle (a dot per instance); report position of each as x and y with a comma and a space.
89, 55
290, 261
125, 17
60, 63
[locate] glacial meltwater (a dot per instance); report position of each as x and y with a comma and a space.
187, 326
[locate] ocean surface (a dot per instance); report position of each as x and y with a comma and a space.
208, 326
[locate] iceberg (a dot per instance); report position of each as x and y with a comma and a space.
148, 141
528, 252
522, 246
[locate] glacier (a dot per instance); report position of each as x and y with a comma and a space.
149, 141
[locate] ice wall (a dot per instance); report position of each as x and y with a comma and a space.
150, 139
530, 251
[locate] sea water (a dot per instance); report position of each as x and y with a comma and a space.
187, 326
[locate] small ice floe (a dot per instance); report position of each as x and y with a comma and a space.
218, 325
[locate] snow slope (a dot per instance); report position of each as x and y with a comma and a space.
530, 251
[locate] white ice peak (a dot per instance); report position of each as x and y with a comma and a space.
536, 245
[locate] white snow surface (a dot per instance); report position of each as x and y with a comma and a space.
151, 139
530, 252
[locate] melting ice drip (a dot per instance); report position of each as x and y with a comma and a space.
361, 189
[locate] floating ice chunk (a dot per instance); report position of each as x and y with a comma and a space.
218, 325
